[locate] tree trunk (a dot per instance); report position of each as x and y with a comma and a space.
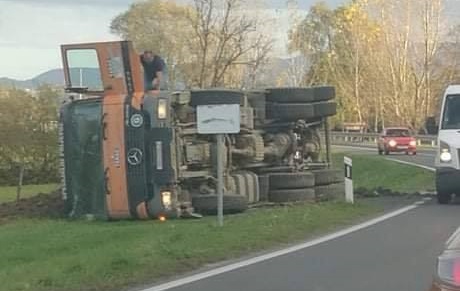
21, 177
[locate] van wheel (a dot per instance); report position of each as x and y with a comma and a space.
443, 197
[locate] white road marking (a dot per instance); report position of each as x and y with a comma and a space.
412, 164
370, 149
252, 261
427, 198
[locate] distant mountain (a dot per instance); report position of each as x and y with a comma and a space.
52, 77
55, 77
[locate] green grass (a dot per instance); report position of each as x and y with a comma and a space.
58, 255
76, 255
8, 194
371, 172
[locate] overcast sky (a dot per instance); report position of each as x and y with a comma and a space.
32, 30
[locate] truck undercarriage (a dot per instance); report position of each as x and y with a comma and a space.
127, 154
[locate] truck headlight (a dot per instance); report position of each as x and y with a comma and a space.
413, 143
392, 143
162, 109
445, 154
166, 199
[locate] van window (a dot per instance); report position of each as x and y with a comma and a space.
451, 116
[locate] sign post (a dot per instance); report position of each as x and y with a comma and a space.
219, 117
220, 179
349, 196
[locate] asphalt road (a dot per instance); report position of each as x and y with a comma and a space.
396, 254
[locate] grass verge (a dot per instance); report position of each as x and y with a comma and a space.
64, 255
57, 255
371, 172
8, 194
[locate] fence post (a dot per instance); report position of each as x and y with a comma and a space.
21, 178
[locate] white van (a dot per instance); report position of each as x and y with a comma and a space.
448, 154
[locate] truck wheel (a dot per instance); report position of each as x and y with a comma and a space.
299, 180
296, 111
330, 192
290, 112
443, 197
323, 109
292, 195
199, 97
327, 176
207, 204
300, 95
247, 185
264, 187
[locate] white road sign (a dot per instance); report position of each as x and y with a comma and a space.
216, 119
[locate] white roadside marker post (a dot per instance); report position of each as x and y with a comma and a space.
349, 196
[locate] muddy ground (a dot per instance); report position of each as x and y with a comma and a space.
40, 206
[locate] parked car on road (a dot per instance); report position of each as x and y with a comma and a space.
447, 277
396, 139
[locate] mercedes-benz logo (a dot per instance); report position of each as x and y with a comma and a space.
137, 120
134, 156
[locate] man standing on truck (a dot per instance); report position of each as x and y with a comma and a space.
153, 70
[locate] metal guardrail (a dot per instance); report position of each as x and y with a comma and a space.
370, 139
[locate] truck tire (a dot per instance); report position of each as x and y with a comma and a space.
247, 185
299, 180
200, 97
207, 204
327, 176
300, 95
290, 112
324, 109
296, 111
330, 192
292, 195
264, 187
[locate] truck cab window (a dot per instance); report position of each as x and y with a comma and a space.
84, 69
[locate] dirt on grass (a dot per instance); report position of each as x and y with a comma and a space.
41, 205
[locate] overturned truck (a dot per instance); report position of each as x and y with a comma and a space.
128, 154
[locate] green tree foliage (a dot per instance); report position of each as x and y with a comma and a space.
28, 136
387, 59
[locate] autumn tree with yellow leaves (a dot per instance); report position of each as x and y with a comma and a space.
383, 56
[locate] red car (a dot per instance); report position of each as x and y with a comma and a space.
447, 277
397, 139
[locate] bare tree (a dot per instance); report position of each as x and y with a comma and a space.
227, 35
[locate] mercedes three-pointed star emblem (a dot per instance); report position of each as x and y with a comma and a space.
134, 156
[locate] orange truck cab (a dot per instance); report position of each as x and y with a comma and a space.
116, 141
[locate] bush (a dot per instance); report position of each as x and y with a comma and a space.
28, 135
